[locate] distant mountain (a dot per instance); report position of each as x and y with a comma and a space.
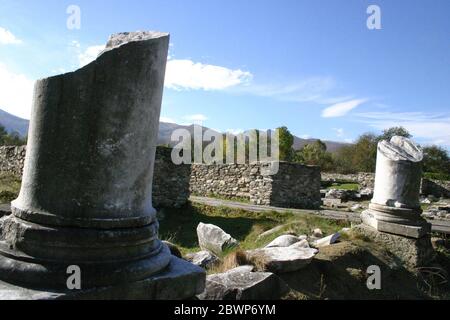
13, 123
332, 146
166, 129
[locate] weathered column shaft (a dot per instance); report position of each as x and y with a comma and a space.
86, 193
395, 206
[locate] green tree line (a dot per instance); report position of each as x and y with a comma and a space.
361, 155
10, 138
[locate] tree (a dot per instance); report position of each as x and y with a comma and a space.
436, 160
10, 139
315, 154
286, 141
359, 157
394, 131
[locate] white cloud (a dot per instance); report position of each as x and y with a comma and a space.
166, 119
430, 127
342, 108
196, 117
305, 136
89, 55
6, 37
16, 94
189, 75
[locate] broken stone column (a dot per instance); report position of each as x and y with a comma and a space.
394, 214
86, 196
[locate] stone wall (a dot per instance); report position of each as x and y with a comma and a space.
364, 179
294, 186
436, 188
170, 181
12, 159
232, 181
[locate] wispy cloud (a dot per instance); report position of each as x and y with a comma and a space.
342, 108
186, 74
196, 117
17, 92
430, 127
90, 54
311, 89
6, 37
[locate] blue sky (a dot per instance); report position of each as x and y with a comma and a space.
312, 66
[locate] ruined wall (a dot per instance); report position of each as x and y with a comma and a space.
294, 186
12, 159
170, 181
365, 179
437, 188
232, 181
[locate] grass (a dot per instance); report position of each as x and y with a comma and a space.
179, 225
9, 187
344, 186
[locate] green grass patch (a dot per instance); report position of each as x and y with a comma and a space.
9, 187
179, 225
344, 186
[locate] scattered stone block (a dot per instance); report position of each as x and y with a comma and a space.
283, 241
242, 284
283, 259
301, 244
326, 241
214, 239
317, 233
204, 259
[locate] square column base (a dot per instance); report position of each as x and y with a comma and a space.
180, 280
411, 251
412, 231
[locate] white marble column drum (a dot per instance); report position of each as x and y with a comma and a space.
395, 207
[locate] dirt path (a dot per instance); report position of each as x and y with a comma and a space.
331, 214
437, 225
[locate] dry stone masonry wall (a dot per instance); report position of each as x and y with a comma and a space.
170, 181
294, 186
12, 159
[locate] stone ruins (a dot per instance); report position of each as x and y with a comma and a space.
394, 214
86, 196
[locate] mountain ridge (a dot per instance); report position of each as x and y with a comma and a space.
13, 123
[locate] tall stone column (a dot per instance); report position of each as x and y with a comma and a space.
394, 212
86, 196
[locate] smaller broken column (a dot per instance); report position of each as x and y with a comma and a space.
394, 214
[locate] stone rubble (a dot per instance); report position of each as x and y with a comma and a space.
214, 239
204, 259
242, 284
